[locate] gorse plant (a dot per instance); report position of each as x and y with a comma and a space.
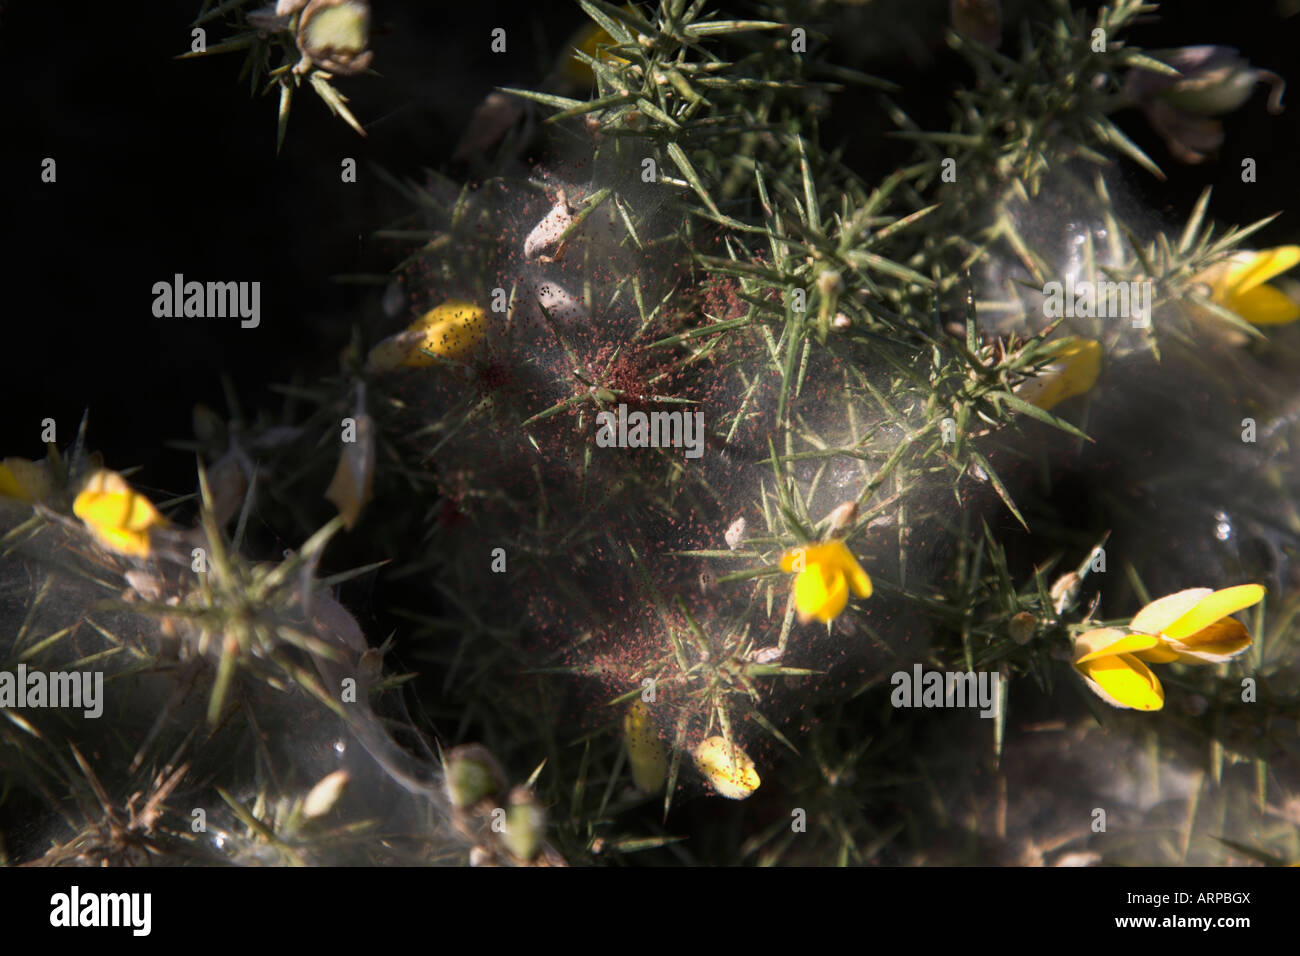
935, 442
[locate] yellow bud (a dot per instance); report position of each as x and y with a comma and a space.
352, 486
645, 751
453, 331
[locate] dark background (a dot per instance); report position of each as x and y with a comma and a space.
168, 166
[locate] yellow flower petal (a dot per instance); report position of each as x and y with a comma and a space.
590, 39
838, 553
393, 352
1074, 369
352, 486
1159, 614
728, 768
1247, 270
1124, 681
826, 573
831, 552
453, 330
119, 516
821, 592
1221, 641
1212, 608
1110, 641
1264, 305
645, 751
24, 480
1160, 654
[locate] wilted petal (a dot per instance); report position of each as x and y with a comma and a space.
547, 232
1189, 137
493, 117
728, 768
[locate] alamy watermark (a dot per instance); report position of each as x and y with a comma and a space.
947, 689
651, 430
213, 300
77, 909
82, 690
1098, 300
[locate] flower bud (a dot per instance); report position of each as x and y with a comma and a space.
472, 774
735, 535
645, 751
1022, 627
322, 797
1064, 591
829, 282
841, 518
334, 34
453, 331
525, 825
1214, 80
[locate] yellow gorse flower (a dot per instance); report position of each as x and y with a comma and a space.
119, 516
825, 575
1072, 370
1195, 626
1107, 659
1239, 285
727, 768
453, 331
